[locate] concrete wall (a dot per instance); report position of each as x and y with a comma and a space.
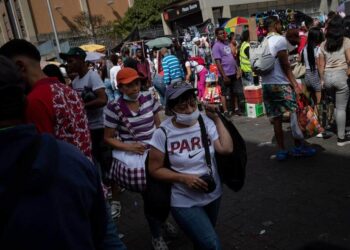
64, 11
207, 5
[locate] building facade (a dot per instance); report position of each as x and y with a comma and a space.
217, 9
30, 19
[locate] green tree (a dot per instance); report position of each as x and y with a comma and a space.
89, 24
143, 14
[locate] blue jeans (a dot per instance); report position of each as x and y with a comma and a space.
111, 240
198, 224
160, 87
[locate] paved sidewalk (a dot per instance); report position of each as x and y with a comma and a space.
283, 205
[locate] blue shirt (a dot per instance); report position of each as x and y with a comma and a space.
172, 69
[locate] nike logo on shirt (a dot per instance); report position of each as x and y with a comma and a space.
193, 155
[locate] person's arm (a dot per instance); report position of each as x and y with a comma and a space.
157, 120
321, 66
347, 55
159, 171
100, 101
282, 56
221, 70
188, 71
109, 138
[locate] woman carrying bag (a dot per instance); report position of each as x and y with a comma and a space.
190, 140
129, 124
334, 65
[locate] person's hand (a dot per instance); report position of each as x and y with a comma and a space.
210, 111
298, 90
227, 80
137, 148
239, 73
194, 182
322, 84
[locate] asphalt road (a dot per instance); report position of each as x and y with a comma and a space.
283, 205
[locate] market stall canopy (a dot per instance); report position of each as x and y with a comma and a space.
231, 24
93, 48
94, 56
161, 42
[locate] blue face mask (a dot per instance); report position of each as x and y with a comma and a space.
187, 119
132, 98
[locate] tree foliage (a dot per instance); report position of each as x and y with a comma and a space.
89, 24
143, 14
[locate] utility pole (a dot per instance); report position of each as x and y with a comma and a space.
90, 20
14, 14
54, 27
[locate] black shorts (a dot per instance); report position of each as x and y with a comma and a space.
234, 87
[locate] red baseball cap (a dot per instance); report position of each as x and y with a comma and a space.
127, 75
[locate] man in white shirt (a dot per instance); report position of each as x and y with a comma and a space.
114, 71
91, 88
280, 88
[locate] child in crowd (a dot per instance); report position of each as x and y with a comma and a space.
212, 93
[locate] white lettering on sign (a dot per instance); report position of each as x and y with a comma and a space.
190, 7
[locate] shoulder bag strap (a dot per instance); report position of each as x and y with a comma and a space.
124, 119
205, 142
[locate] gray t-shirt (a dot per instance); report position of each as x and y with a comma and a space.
93, 81
277, 43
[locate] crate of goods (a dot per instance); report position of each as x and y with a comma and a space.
254, 110
253, 94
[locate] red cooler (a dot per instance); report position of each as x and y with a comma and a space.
253, 94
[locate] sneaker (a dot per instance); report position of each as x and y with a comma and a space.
159, 244
116, 209
282, 155
303, 151
320, 135
343, 142
169, 230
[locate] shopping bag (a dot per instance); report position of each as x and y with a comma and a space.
307, 118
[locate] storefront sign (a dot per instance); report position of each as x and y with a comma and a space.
180, 11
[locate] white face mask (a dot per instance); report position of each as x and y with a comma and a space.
187, 119
132, 98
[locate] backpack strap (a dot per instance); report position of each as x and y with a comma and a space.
205, 143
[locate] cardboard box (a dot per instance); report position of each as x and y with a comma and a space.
254, 110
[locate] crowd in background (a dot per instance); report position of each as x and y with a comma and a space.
108, 115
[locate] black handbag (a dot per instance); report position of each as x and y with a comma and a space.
232, 167
156, 197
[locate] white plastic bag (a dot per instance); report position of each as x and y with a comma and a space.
296, 131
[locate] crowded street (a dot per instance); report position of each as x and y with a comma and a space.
174, 125
282, 206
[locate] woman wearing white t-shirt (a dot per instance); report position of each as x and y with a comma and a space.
192, 206
310, 57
